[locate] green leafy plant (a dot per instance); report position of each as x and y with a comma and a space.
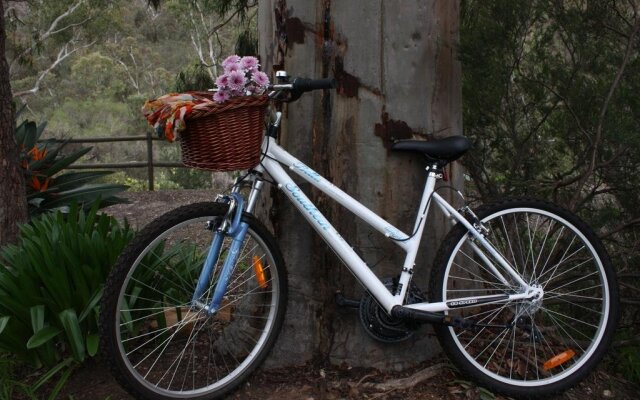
184, 259
9, 385
628, 362
51, 283
193, 77
47, 187
12, 386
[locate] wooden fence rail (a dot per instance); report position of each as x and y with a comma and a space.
149, 163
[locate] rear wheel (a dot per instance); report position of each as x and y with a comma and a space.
528, 348
158, 344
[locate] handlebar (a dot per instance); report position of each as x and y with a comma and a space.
299, 86
307, 85
288, 92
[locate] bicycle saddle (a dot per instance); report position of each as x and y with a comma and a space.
447, 149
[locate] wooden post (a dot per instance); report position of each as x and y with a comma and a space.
150, 160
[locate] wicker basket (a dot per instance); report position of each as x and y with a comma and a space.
225, 137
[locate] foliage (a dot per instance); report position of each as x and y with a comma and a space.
549, 92
247, 43
47, 188
629, 362
550, 102
51, 283
85, 119
96, 72
42, 37
193, 78
185, 178
12, 387
185, 259
9, 385
223, 7
208, 21
165, 179
114, 56
188, 178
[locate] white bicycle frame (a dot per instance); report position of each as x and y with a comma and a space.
276, 157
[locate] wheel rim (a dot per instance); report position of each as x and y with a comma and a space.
175, 350
553, 254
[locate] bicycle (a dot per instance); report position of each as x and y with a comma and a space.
523, 297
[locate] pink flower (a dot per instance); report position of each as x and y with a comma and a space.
241, 77
222, 81
232, 67
236, 80
234, 59
260, 78
249, 63
221, 96
238, 92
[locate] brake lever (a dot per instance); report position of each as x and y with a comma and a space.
293, 96
285, 96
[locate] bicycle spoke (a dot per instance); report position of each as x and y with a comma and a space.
174, 348
515, 343
534, 276
507, 236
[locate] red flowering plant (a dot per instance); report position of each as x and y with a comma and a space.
47, 187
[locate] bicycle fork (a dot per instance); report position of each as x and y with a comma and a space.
233, 227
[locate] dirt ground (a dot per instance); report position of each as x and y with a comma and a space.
93, 381
309, 382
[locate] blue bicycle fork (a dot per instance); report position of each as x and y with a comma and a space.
233, 227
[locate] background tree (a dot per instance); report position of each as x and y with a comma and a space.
87, 66
206, 20
13, 203
42, 36
398, 77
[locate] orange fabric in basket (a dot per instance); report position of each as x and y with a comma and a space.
167, 113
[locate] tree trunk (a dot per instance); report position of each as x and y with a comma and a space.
13, 204
398, 78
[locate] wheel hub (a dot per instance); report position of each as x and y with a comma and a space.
531, 306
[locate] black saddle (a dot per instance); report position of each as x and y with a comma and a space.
447, 149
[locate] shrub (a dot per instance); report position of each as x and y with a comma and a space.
193, 77
49, 189
51, 283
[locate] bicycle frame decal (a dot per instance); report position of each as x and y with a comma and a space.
276, 156
308, 206
307, 171
462, 303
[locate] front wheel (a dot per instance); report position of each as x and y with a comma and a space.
160, 344
528, 348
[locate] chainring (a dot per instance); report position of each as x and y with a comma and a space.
380, 325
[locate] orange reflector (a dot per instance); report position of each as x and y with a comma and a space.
559, 359
259, 270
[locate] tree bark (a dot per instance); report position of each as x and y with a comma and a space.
13, 204
398, 78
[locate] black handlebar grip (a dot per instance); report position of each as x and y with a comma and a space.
306, 85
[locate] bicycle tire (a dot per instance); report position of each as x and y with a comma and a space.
160, 347
573, 322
